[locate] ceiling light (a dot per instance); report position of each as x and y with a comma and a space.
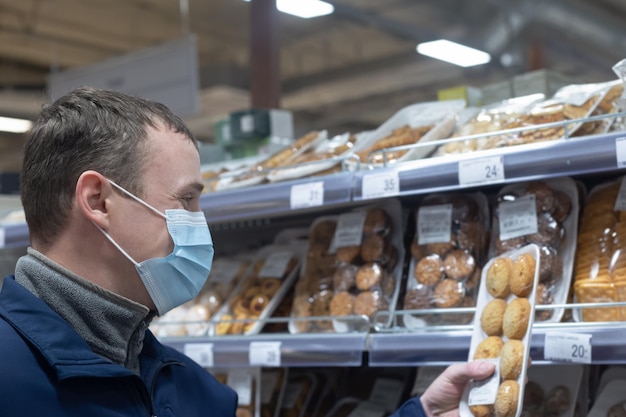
305, 9
453, 53
10, 124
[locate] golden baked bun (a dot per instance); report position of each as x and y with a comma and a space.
483, 410
507, 399
490, 347
499, 277
516, 318
511, 360
522, 279
492, 316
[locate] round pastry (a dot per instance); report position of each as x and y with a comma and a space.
533, 396
543, 297
459, 264
492, 316
258, 304
544, 196
368, 276
270, 286
523, 276
344, 277
341, 304
417, 251
429, 270
490, 347
367, 303
439, 248
507, 399
211, 300
418, 298
558, 400
320, 303
498, 277
377, 221
562, 206
516, 317
448, 293
483, 410
373, 248
617, 410
348, 254
511, 359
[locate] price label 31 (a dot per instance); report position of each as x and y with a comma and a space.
481, 171
310, 194
567, 347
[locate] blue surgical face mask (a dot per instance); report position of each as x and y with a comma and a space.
178, 277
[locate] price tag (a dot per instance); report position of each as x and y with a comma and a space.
264, 353
620, 202
620, 151
202, 353
2, 238
434, 224
240, 380
224, 271
310, 194
481, 171
246, 123
485, 391
349, 231
383, 184
567, 347
276, 265
517, 218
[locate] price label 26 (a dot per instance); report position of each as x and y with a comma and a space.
381, 184
310, 194
573, 347
481, 171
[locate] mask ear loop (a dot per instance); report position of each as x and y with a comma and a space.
137, 199
116, 245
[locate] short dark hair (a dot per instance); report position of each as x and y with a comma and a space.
87, 129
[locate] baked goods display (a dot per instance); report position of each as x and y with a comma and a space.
273, 383
245, 382
192, 318
447, 254
501, 333
544, 213
352, 268
300, 389
554, 391
600, 267
272, 272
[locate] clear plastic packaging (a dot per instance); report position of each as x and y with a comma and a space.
447, 255
552, 390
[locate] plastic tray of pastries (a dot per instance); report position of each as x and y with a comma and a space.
339, 283
552, 390
501, 333
556, 202
445, 268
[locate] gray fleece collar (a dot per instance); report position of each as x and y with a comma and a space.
112, 325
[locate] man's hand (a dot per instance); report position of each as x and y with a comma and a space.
443, 396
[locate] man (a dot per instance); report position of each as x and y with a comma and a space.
110, 187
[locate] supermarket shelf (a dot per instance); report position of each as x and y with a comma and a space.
295, 350
14, 236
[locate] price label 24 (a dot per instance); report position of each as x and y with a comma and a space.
481, 171
571, 347
380, 184
310, 194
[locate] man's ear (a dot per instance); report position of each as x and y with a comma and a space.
92, 197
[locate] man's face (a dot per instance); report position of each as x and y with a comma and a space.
171, 180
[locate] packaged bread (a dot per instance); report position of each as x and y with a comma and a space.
501, 333
544, 213
447, 254
192, 318
415, 124
600, 267
352, 270
273, 270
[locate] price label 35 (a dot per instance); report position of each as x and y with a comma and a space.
380, 184
567, 347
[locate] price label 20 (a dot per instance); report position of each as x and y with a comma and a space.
481, 171
380, 184
310, 194
572, 347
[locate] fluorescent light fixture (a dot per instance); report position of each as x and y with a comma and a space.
305, 9
10, 124
454, 53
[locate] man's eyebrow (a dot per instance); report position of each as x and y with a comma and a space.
197, 185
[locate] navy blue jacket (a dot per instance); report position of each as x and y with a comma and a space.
47, 369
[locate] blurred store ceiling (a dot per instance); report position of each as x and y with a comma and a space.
347, 71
